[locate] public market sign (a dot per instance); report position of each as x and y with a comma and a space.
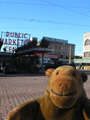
12, 40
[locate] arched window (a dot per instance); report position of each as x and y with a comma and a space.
87, 42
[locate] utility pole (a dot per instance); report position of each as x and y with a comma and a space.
70, 54
42, 61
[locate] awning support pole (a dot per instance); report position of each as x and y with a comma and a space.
42, 62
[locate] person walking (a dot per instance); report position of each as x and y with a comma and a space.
3, 66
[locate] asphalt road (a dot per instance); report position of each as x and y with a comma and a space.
15, 89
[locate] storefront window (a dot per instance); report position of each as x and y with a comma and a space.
55, 46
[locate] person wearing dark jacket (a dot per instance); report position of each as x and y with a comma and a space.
3, 66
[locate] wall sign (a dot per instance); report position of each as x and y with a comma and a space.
12, 40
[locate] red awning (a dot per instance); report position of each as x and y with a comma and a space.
47, 56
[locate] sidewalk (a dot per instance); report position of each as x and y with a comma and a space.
17, 88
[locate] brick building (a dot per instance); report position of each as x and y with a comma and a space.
61, 49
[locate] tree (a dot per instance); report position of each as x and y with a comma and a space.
34, 43
44, 43
1, 43
4, 49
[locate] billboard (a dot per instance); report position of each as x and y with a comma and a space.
13, 40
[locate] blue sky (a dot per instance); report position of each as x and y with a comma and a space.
62, 19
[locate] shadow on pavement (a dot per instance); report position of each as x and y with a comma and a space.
34, 74
22, 75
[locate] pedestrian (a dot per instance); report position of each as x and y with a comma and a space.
3, 66
72, 64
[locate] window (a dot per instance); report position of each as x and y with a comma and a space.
55, 46
62, 48
86, 54
50, 47
87, 42
59, 47
66, 57
61, 56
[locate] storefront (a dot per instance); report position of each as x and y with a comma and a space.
28, 60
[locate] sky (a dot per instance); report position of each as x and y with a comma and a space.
61, 19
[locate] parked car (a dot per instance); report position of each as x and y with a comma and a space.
46, 64
10, 68
55, 65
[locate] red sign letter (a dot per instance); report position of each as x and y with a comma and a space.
10, 41
25, 35
14, 42
7, 34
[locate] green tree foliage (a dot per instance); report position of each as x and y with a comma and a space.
1, 43
44, 43
32, 44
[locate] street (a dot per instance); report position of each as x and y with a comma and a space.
17, 88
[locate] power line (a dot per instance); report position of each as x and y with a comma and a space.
44, 21
51, 4
65, 8
24, 3
82, 7
39, 28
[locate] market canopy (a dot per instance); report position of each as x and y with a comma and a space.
32, 50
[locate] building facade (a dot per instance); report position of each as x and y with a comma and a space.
61, 49
86, 45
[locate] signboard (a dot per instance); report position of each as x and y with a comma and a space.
12, 40
47, 56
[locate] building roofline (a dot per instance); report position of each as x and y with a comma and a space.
55, 40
